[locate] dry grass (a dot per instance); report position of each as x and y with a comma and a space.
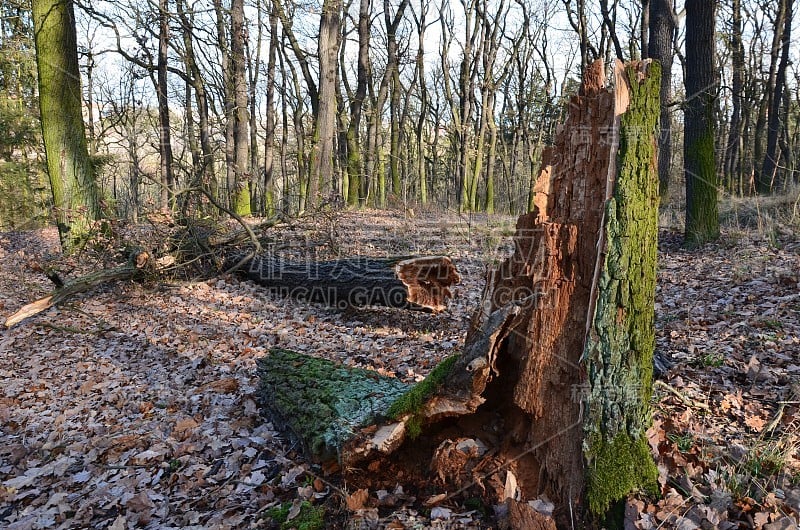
771, 216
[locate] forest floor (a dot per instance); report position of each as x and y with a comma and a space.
135, 405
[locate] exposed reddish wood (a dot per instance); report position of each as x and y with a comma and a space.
523, 517
428, 280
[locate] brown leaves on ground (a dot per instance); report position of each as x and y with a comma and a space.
729, 317
135, 405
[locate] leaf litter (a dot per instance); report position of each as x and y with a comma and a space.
134, 405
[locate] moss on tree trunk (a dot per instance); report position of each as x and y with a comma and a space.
619, 348
75, 193
323, 404
702, 220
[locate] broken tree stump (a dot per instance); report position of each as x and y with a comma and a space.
406, 282
546, 409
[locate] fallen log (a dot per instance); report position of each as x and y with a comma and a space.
546, 409
136, 263
421, 283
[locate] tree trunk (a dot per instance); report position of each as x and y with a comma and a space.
419, 126
555, 378
662, 33
769, 171
228, 102
355, 162
269, 133
167, 192
325, 119
72, 181
258, 201
238, 66
393, 73
194, 147
415, 282
466, 97
733, 151
702, 220
644, 30
207, 175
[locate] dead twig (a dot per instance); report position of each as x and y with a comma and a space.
684, 399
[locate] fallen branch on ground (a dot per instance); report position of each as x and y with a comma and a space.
137, 262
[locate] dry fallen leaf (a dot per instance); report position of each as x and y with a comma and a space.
756, 423
357, 500
184, 429
223, 386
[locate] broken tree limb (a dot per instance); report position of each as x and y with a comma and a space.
406, 282
549, 403
320, 404
136, 263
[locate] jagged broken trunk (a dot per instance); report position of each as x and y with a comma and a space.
547, 407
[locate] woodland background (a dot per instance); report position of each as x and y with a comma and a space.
283, 106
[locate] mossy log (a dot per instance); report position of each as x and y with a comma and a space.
546, 408
406, 282
321, 404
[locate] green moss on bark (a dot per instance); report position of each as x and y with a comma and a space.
353, 168
702, 216
321, 402
241, 202
621, 341
619, 467
412, 401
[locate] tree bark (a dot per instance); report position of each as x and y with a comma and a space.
702, 220
662, 34
258, 201
72, 180
241, 155
269, 103
167, 192
768, 177
355, 162
207, 175
325, 119
228, 102
419, 126
733, 150
393, 76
